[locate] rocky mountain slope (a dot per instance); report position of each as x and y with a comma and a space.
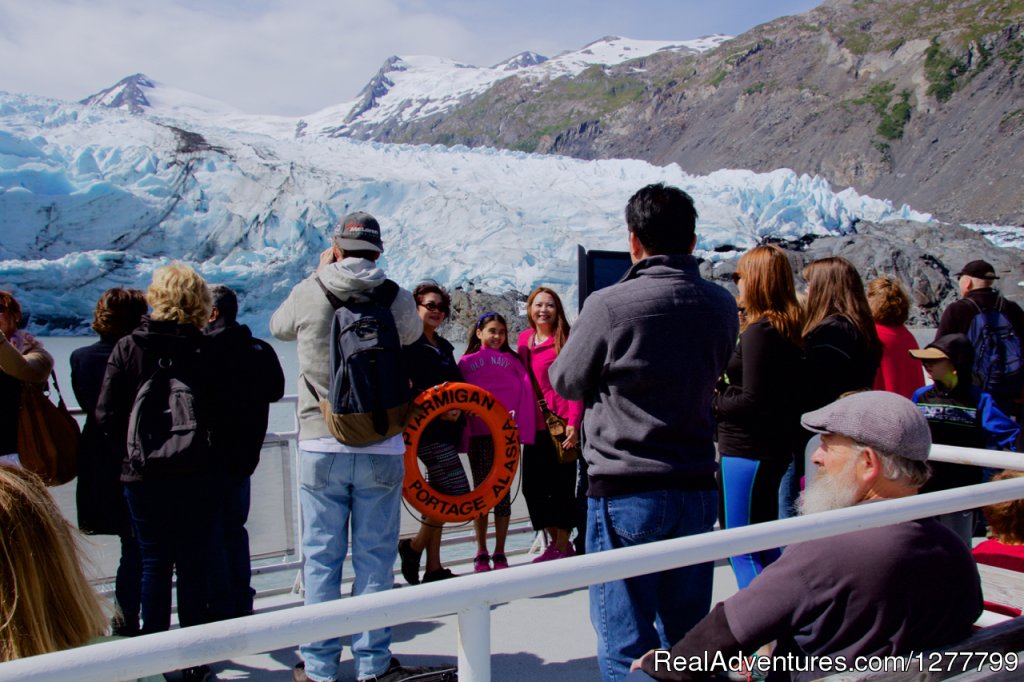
918, 101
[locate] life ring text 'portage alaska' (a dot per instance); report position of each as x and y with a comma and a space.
456, 508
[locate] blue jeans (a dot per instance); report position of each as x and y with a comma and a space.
339, 490
230, 569
633, 616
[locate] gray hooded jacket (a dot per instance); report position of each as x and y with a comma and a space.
306, 315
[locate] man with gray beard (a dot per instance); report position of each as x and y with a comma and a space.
886, 591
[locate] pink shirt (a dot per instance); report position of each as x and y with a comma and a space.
898, 372
504, 376
540, 360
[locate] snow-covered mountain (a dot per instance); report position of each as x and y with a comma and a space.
92, 197
404, 89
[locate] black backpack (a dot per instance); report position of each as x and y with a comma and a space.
168, 429
997, 351
369, 397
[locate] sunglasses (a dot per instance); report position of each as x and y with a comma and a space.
736, 278
433, 307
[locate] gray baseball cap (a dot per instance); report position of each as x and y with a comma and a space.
885, 421
358, 231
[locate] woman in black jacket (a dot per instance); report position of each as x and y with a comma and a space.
170, 497
841, 346
431, 361
757, 405
99, 494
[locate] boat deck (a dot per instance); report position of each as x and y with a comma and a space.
544, 639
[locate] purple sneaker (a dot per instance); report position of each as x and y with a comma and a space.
482, 562
499, 561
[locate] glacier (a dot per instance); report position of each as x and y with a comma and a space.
92, 198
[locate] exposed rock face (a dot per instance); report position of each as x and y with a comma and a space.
469, 304
128, 93
923, 257
916, 101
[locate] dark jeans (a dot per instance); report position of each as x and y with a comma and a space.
172, 521
230, 569
128, 586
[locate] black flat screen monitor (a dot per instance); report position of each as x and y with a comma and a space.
599, 269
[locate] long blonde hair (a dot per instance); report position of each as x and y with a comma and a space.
178, 293
561, 331
769, 291
46, 603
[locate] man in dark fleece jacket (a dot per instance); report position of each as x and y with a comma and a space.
976, 280
644, 356
888, 591
251, 379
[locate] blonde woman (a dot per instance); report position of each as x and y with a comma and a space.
171, 508
757, 405
46, 603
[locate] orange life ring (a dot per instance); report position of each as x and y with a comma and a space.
504, 433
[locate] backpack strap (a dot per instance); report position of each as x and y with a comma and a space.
331, 298
385, 293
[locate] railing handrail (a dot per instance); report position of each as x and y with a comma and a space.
132, 658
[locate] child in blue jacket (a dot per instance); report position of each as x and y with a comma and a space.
959, 413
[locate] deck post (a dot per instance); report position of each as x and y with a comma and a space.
475, 644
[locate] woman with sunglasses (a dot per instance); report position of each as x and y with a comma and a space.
22, 358
757, 403
431, 361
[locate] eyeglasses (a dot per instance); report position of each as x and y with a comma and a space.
434, 307
736, 278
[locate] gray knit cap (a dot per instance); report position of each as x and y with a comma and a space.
885, 421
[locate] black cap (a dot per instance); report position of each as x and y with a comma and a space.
979, 269
358, 231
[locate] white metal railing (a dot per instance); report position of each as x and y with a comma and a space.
471, 596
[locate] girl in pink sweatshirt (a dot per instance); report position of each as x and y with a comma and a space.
491, 364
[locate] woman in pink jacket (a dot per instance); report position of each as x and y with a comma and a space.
549, 486
491, 364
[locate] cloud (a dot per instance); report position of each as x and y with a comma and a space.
295, 57
284, 57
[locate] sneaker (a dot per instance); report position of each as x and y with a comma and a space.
482, 562
200, 673
552, 553
439, 574
499, 561
547, 555
393, 667
410, 562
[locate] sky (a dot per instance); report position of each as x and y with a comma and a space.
295, 57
